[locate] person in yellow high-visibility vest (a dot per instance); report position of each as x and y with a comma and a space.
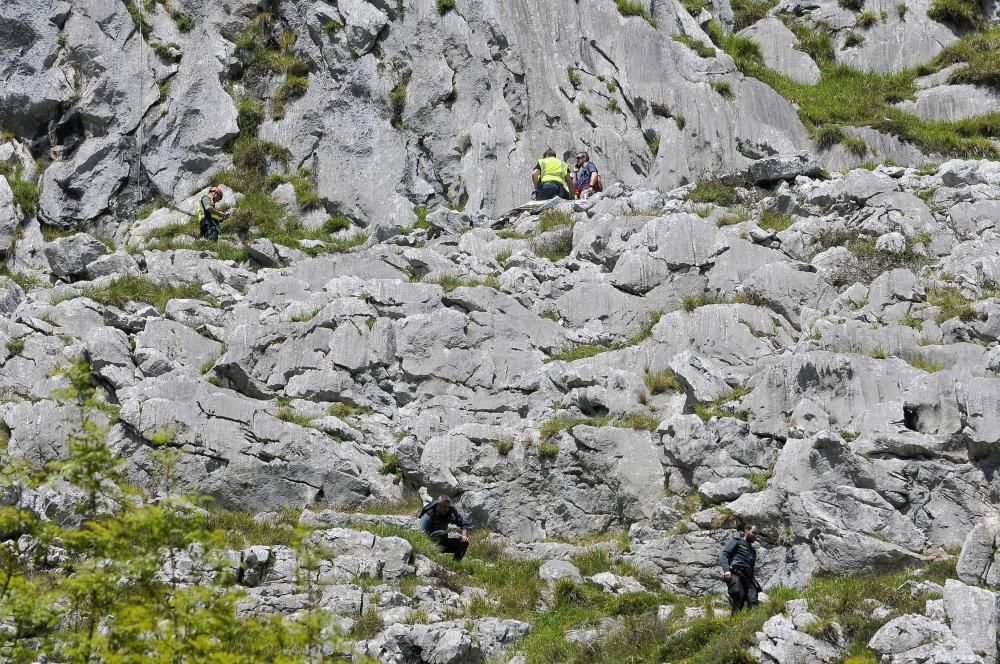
551, 178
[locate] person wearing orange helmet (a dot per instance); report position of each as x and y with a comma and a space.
209, 215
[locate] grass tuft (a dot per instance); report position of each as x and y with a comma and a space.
140, 289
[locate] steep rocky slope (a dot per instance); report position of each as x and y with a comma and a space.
728, 334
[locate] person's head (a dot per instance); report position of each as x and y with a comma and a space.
750, 531
444, 504
216, 193
549, 153
582, 158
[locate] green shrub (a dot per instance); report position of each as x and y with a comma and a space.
852, 5
445, 6
584, 109
759, 479
333, 27
696, 45
901, 10
554, 246
250, 115
390, 464
965, 14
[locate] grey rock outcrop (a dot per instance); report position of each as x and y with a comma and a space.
70, 256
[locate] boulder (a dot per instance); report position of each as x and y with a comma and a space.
783, 167
972, 616
70, 256
555, 570
979, 562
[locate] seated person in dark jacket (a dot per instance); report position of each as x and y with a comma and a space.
738, 560
434, 520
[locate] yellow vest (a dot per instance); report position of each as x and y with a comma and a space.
552, 169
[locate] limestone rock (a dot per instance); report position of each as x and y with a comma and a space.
70, 256
783, 167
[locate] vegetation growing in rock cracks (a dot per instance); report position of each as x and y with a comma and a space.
844, 96
99, 587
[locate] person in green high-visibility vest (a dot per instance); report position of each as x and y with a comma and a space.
551, 178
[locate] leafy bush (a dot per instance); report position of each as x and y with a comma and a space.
852, 5
445, 6
584, 109
397, 99
336, 223
952, 303
853, 39
25, 194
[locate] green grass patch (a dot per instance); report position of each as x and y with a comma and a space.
635, 8
724, 89
965, 14
844, 96
721, 407
140, 289
952, 303
701, 48
15, 346
760, 479
772, 220
658, 382
691, 302
925, 365
445, 6
748, 12
574, 77
25, 193
720, 191
552, 220
243, 529
397, 96
981, 53
582, 351
293, 87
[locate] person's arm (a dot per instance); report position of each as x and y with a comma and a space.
570, 184
535, 174
425, 523
462, 523
726, 557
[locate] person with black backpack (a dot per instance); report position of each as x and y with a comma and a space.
208, 216
434, 520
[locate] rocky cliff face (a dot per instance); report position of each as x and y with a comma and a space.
814, 352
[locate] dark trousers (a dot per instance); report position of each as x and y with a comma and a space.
209, 229
452, 545
742, 591
549, 190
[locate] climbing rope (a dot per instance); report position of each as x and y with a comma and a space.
138, 132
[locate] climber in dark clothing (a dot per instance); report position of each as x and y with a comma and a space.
738, 560
434, 520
